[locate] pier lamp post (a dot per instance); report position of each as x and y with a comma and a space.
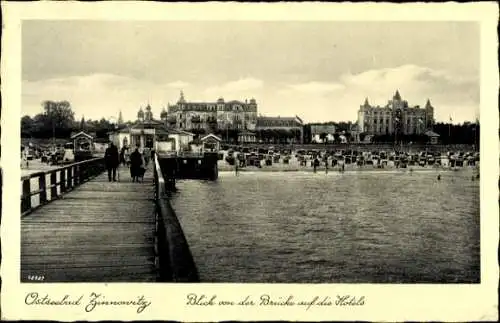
50, 113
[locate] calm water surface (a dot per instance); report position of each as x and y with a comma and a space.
370, 227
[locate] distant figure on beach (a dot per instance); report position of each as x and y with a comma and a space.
315, 164
25, 157
343, 169
326, 166
236, 168
136, 163
111, 159
439, 177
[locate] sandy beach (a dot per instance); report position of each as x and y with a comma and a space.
295, 167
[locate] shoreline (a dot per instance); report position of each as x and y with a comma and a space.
350, 170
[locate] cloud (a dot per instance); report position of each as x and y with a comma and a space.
317, 87
235, 87
450, 93
97, 95
339, 99
178, 84
416, 81
104, 95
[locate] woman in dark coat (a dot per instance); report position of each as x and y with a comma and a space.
135, 165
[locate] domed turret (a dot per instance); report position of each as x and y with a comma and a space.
252, 101
148, 115
181, 99
140, 114
220, 100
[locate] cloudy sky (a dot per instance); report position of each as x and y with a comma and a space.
320, 71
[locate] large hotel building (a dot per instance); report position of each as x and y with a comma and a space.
209, 116
231, 115
396, 117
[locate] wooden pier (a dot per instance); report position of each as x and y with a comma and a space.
88, 229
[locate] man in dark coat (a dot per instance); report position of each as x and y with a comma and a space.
111, 159
135, 165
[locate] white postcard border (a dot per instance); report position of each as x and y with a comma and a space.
384, 302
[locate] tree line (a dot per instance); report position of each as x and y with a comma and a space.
58, 120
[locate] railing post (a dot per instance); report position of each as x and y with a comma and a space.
70, 177
63, 180
83, 173
26, 200
42, 186
75, 175
53, 185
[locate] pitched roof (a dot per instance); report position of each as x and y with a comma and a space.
235, 102
211, 135
278, 121
430, 133
246, 133
180, 132
152, 124
81, 133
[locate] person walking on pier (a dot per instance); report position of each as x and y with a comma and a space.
136, 163
146, 155
122, 155
111, 159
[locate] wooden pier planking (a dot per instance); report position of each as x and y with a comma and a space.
99, 232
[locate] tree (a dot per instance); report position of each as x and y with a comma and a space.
27, 126
212, 125
198, 131
307, 133
61, 117
82, 124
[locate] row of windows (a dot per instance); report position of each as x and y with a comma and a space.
220, 117
238, 108
389, 130
278, 124
409, 120
382, 113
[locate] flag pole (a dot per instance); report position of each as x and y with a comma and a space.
449, 130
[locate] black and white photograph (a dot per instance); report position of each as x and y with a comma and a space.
230, 152
251, 151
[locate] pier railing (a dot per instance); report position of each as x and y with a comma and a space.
51, 185
174, 261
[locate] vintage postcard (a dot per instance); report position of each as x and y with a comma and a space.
239, 161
